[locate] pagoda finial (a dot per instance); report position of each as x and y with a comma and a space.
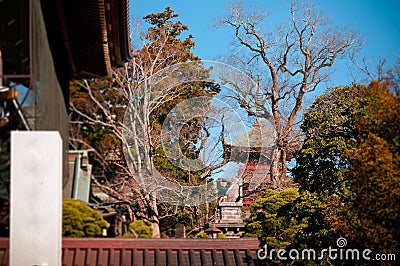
259, 95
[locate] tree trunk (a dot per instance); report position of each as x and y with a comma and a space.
153, 217
275, 165
279, 165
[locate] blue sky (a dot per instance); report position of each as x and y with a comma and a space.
377, 21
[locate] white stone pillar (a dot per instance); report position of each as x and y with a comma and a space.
36, 198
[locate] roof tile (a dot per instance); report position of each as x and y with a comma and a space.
153, 252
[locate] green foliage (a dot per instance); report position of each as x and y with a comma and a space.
79, 220
373, 209
165, 44
221, 235
328, 125
265, 220
293, 220
141, 229
201, 234
87, 135
173, 215
128, 235
350, 162
373, 205
165, 24
168, 169
349, 176
309, 213
380, 116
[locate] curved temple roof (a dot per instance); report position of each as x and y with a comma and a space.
258, 136
95, 34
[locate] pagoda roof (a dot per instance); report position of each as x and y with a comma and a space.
258, 136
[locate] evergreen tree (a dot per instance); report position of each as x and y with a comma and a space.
351, 157
98, 108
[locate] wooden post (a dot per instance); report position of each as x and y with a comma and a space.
36, 196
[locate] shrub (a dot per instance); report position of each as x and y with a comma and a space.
201, 234
79, 220
141, 229
221, 235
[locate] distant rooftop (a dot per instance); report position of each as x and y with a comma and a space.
258, 136
185, 252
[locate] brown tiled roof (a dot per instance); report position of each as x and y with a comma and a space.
87, 38
174, 252
91, 37
96, 35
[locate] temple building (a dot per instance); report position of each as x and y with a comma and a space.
253, 150
44, 45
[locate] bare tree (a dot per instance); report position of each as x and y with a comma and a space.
380, 72
292, 60
127, 106
393, 77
